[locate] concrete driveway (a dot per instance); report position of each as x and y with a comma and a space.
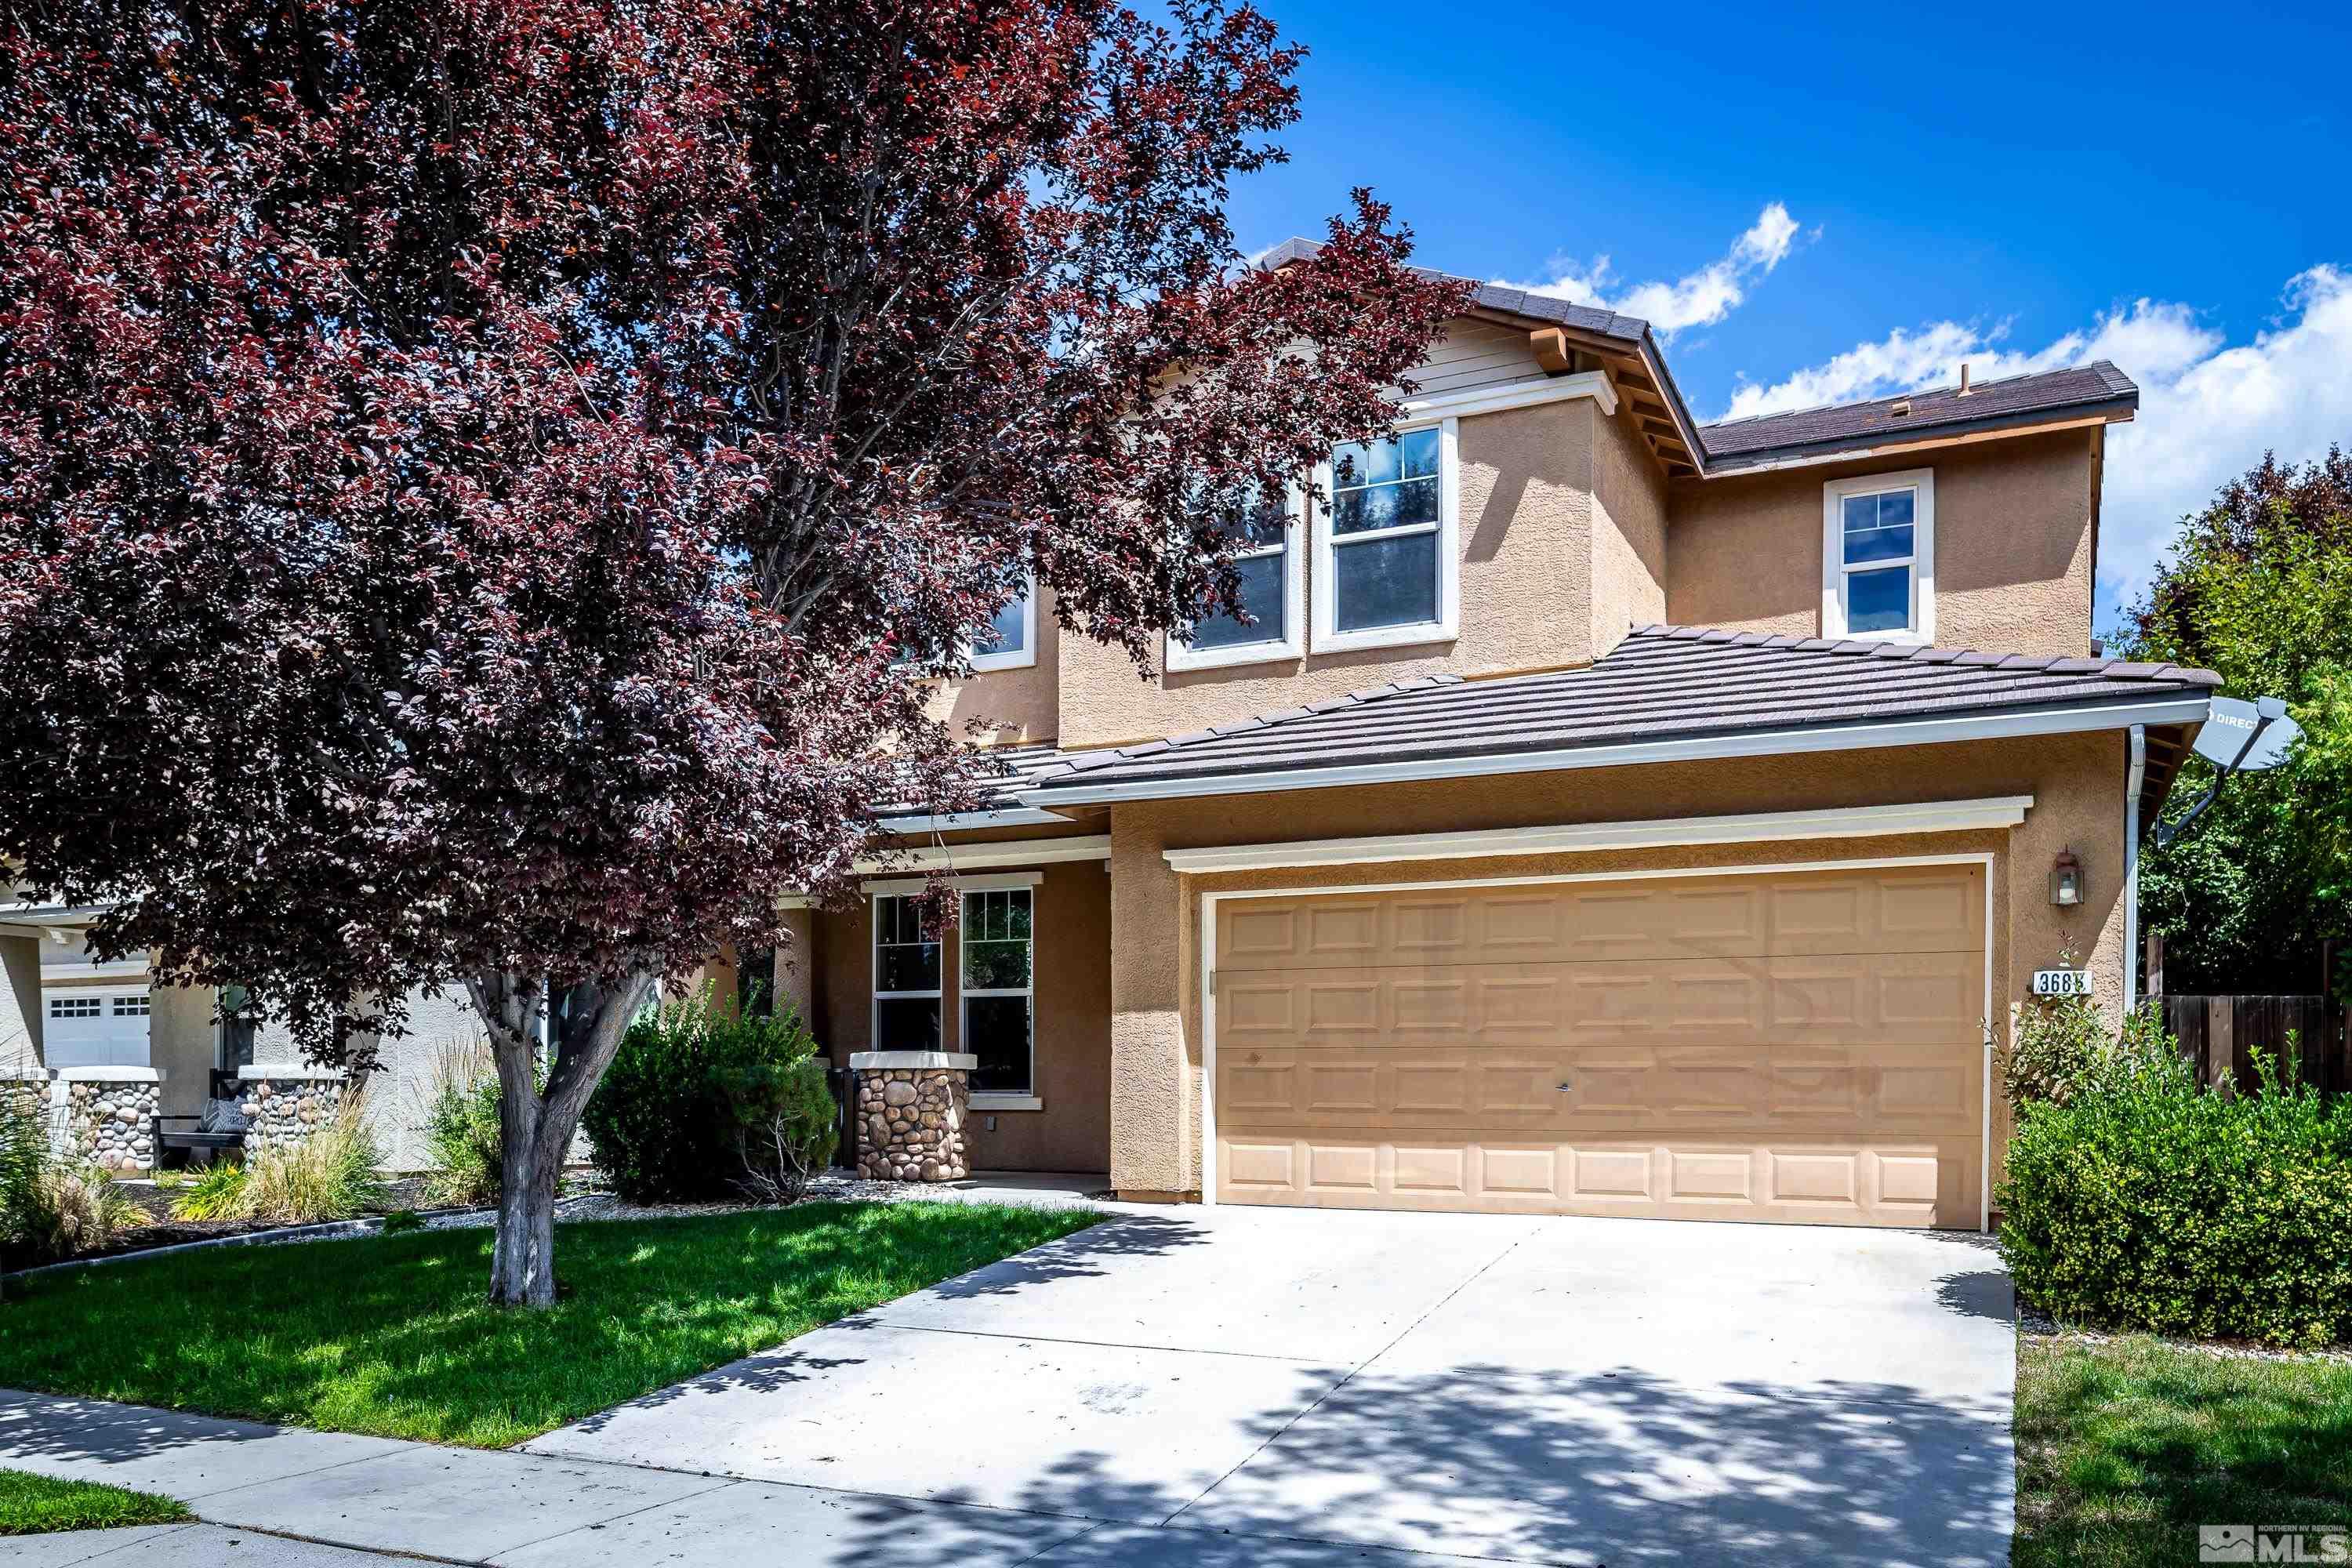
1254, 1387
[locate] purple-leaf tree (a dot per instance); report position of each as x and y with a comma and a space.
481, 483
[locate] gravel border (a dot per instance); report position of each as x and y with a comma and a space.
2031, 1324
823, 1189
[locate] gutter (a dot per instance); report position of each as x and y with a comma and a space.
2171, 709
2135, 778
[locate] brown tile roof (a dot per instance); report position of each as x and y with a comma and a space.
1661, 683
1734, 446
2098, 387
1496, 297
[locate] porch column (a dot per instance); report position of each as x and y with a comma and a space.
911, 1107
20, 998
1154, 1081
795, 973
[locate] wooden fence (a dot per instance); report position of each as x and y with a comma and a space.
2225, 1035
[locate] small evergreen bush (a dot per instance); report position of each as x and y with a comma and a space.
785, 1125
665, 1120
2147, 1201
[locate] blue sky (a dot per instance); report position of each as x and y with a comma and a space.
2164, 188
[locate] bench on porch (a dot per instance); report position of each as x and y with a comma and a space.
177, 1149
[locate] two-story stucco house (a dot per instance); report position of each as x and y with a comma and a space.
1602, 813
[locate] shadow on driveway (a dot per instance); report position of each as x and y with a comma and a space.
1527, 1464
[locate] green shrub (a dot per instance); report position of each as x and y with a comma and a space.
461, 1128
785, 1126
217, 1192
663, 1122
334, 1173
24, 1156
2061, 1043
400, 1222
2145, 1202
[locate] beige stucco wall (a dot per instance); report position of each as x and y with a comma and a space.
182, 1044
2076, 782
2014, 539
1072, 922
1005, 707
1629, 534
1527, 547
20, 1002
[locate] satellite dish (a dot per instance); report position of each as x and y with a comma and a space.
2246, 737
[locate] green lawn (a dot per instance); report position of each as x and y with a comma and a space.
391, 1335
36, 1505
2125, 1449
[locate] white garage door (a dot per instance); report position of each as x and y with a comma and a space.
102, 1027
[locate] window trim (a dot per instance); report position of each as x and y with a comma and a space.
1447, 628
1921, 482
964, 996
874, 976
981, 663
1179, 655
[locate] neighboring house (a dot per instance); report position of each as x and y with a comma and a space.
102, 1038
1600, 817
105, 1038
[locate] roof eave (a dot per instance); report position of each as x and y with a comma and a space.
1842, 448
2172, 706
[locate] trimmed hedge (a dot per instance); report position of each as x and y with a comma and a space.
2146, 1202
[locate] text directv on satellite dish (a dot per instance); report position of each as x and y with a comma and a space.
2238, 738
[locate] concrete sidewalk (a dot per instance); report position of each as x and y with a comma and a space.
276, 1496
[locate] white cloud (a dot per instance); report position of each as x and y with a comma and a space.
1699, 299
2208, 411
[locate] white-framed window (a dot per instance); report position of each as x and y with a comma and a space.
996, 984
1386, 565
906, 978
1268, 567
1878, 556
1011, 642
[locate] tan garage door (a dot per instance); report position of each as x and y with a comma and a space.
1788, 1046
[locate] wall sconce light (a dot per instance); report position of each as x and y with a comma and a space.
2066, 880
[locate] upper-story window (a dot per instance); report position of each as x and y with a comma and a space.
1386, 563
1010, 641
1267, 564
1878, 556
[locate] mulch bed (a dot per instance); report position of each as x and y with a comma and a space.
167, 1229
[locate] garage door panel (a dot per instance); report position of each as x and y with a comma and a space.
1695, 1178
1826, 999
1646, 1090
1770, 1046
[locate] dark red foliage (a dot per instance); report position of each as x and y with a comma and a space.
473, 472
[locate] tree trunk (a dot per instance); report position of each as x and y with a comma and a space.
536, 1123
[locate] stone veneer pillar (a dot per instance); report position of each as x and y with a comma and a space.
101, 1116
910, 1115
284, 1105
